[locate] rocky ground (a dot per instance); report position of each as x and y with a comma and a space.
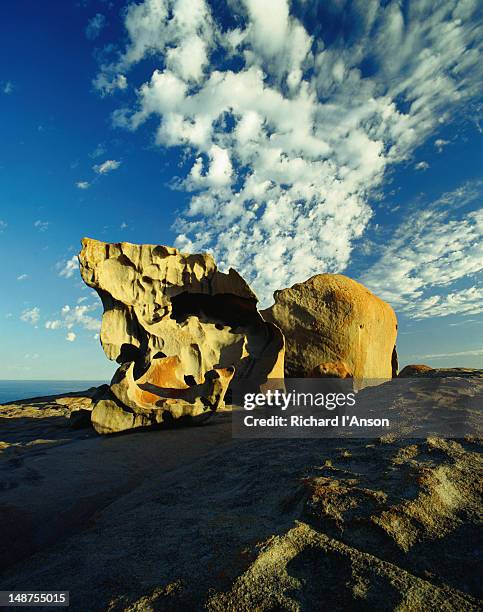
190, 518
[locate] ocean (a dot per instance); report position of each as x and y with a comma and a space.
11, 390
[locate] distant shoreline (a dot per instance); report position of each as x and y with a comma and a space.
21, 390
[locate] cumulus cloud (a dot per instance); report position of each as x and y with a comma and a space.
291, 119
83, 185
76, 317
95, 25
69, 267
107, 84
23, 277
31, 315
42, 226
181, 30
217, 173
422, 165
79, 315
440, 143
53, 324
70, 337
464, 302
431, 251
108, 166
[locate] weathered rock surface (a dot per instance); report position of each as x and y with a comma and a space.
414, 370
80, 406
179, 329
384, 524
332, 318
145, 403
330, 369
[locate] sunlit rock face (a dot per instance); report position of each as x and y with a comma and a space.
180, 330
334, 326
415, 370
330, 369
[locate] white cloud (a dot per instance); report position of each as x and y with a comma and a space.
83, 184
470, 353
95, 25
464, 301
31, 315
76, 317
31, 356
70, 337
188, 59
7, 87
56, 324
69, 267
217, 174
79, 316
23, 277
181, 31
439, 143
269, 24
433, 249
42, 226
123, 225
3, 226
422, 165
292, 129
464, 322
99, 151
108, 166
109, 84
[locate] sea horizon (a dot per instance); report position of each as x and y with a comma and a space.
12, 390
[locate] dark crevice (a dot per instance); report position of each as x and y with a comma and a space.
227, 308
128, 352
125, 261
394, 362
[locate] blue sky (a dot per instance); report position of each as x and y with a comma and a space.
289, 138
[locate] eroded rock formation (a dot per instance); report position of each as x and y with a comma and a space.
330, 369
180, 330
414, 370
331, 318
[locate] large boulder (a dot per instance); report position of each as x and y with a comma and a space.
180, 330
331, 318
416, 369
